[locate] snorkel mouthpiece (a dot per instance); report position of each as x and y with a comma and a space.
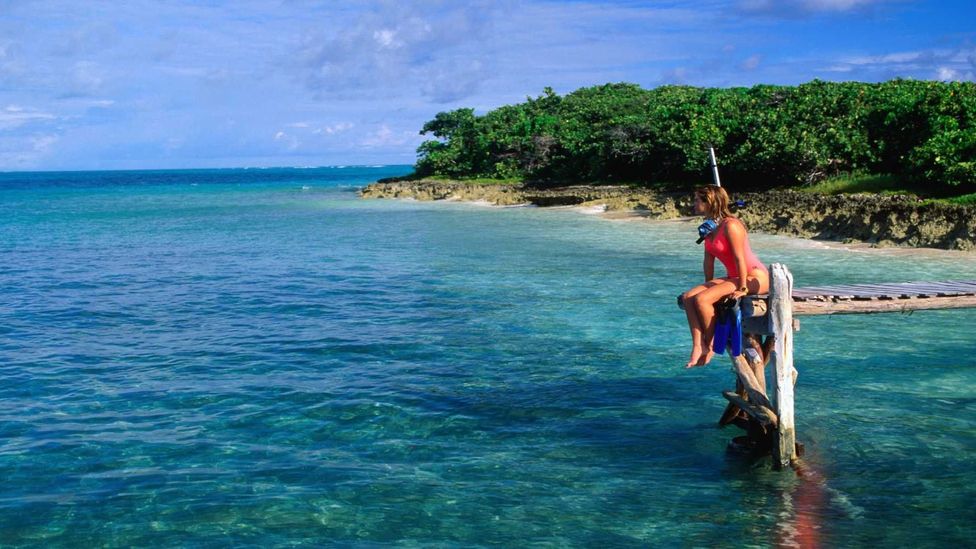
705, 229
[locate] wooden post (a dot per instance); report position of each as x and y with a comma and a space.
781, 316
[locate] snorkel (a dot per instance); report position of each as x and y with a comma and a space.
714, 163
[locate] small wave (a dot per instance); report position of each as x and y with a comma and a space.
483, 203
592, 210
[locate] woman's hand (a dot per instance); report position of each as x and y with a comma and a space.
741, 292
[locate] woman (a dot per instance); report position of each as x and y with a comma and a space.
730, 244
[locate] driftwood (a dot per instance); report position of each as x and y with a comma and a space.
747, 377
733, 412
766, 417
750, 409
764, 351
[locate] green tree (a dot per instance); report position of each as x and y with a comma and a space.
765, 135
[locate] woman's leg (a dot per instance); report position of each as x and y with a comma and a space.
704, 304
694, 322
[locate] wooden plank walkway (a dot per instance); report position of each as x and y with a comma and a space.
887, 297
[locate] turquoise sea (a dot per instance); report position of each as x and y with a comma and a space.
262, 358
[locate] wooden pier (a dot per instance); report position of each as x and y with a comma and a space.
881, 298
769, 422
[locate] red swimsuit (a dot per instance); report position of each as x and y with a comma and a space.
720, 247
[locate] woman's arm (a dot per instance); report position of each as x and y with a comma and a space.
708, 265
736, 232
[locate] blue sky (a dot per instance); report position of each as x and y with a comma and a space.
174, 84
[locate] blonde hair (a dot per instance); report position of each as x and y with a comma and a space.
716, 202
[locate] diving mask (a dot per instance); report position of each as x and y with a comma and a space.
705, 229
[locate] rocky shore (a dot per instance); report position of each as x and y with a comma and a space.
874, 219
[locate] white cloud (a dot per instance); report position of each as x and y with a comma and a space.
453, 81
386, 137
174, 144
677, 75
945, 73
334, 129
938, 64
751, 63
10, 63
395, 48
14, 116
793, 8
888, 58
382, 136
88, 77
41, 143
386, 38
948, 74
290, 141
836, 5
80, 105
25, 153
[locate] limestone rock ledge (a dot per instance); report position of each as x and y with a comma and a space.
875, 219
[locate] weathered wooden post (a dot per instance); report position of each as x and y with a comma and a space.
781, 320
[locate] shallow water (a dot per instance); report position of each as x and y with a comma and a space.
261, 357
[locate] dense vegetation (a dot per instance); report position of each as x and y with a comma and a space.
915, 131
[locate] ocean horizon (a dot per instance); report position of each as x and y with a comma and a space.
258, 356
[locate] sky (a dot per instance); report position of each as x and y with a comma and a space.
147, 84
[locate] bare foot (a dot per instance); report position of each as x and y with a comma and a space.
696, 353
705, 358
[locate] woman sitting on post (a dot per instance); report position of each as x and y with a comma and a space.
746, 275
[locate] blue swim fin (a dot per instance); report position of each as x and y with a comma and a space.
735, 331
722, 327
721, 335
728, 327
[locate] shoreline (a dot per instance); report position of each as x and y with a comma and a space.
853, 246
870, 220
